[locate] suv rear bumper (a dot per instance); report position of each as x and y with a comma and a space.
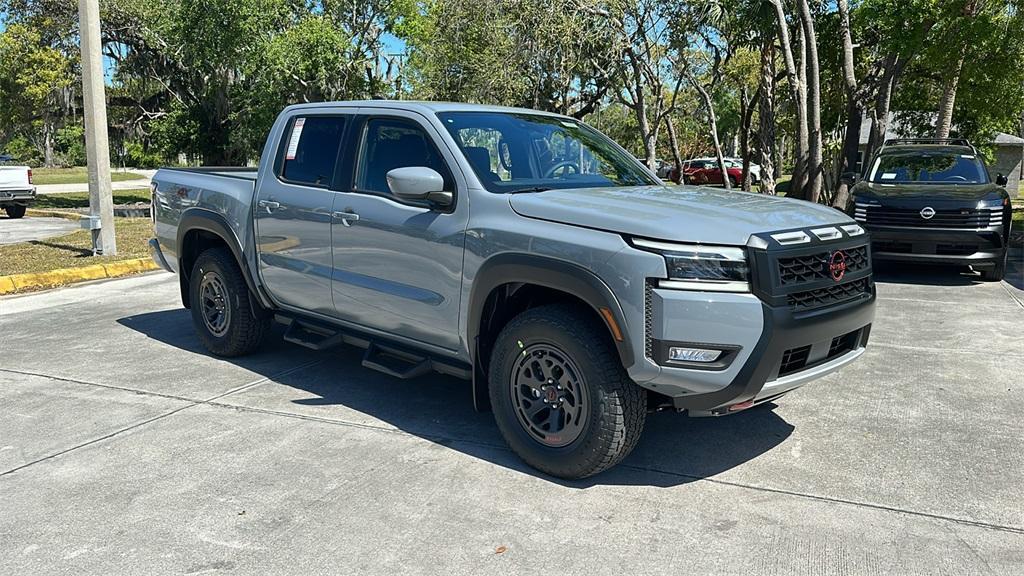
952, 246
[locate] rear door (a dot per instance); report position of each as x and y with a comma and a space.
398, 263
293, 211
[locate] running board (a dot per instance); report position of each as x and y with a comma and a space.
394, 363
312, 337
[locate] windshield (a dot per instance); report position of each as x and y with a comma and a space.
929, 167
512, 152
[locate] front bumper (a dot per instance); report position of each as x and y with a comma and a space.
937, 246
17, 196
158, 255
798, 324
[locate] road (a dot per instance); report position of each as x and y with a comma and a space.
32, 228
125, 449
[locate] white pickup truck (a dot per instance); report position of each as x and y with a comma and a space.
16, 190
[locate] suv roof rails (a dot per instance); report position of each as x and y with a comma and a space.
953, 141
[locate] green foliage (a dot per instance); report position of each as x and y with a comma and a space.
71, 145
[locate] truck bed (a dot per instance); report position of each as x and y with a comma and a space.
242, 173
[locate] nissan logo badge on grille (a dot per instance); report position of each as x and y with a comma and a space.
927, 212
837, 265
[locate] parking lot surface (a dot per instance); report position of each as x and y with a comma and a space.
125, 449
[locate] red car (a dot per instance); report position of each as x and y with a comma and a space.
708, 172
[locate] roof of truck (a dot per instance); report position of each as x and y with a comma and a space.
422, 106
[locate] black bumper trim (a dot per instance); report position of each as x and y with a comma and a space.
782, 331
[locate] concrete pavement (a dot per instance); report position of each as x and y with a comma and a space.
33, 228
125, 449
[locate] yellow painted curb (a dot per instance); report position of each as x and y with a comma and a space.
20, 282
55, 214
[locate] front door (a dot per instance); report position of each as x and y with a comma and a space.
293, 213
397, 263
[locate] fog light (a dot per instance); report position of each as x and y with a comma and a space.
693, 354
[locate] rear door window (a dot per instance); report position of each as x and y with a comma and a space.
311, 150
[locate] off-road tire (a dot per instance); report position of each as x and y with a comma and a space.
15, 211
247, 322
616, 406
997, 273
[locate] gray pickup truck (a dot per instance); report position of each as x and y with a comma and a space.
522, 251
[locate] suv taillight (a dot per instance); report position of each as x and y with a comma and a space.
30, 176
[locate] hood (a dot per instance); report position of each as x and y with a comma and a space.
682, 214
930, 192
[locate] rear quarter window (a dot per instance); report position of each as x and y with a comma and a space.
310, 149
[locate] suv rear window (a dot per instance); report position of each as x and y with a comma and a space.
928, 167
311, 149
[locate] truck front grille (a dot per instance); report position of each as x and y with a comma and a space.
835, 294
811, 267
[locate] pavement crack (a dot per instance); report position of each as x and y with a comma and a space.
189, 404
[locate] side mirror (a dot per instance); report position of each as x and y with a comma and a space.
1002, 180
849, 177
419, 183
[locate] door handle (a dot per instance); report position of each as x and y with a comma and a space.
347, 218
268, 205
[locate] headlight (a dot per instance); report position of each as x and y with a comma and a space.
696, 267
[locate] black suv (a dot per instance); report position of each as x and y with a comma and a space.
932, 201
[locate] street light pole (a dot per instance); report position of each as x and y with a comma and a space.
101, 201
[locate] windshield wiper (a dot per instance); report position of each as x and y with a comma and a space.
531, 190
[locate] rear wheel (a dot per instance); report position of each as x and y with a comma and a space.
561, 398
15, 211
733, 183
998, 272
226, 318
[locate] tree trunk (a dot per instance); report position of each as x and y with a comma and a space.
854, 112
673, 141
880, 113
814, 164
798, 96
47, 141
766, 117
948, 101
746, 117
713, 126
798, 186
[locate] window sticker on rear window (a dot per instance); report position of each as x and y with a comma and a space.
293, 144
889, 176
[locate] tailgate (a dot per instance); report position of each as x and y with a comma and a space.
14, 178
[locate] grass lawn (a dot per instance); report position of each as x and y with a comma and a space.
75, 250
77, 175
81, 199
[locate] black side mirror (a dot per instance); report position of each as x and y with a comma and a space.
849, 177
1002, 180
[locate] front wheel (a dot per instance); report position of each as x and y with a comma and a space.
561, 398
227, 320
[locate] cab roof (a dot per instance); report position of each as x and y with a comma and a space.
423, 106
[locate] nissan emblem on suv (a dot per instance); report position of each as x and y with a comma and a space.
927, 212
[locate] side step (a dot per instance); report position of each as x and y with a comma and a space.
394, 363
312, 337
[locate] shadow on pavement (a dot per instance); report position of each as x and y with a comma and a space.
924, 274
674, 450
